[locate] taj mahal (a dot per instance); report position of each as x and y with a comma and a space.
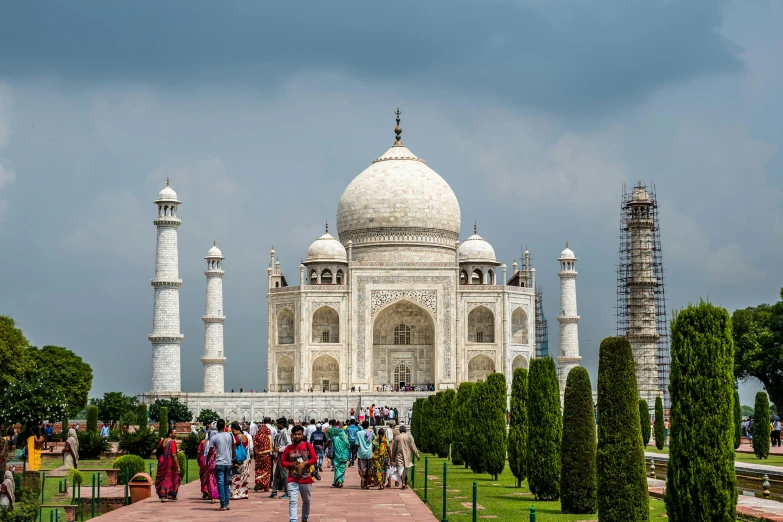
391, 308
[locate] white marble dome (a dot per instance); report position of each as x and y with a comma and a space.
476, 249
167, 194
326, 249
215, 252
640, 195
567, 253
398, 191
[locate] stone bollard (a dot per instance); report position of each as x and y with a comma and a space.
652, 468
765, 487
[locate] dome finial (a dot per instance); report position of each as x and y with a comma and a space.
474, 228
398, 130
566, 244
167, 182
214, 242
327, 227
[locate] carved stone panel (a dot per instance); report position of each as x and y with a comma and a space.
380, 298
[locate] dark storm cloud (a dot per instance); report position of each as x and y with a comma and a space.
558, 57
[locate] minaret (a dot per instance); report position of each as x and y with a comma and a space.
165, 337
213, 318
569, 334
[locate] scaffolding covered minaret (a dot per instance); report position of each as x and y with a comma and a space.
641, 303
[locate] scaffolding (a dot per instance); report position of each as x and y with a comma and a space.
641, 299
542, 327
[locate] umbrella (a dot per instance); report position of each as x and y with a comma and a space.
774, 418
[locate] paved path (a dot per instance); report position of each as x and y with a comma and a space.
349, 504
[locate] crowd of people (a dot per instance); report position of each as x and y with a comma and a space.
774, 430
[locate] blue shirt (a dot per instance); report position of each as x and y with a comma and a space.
352, 430
365, 446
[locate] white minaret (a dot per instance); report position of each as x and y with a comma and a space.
165, 337
569, 333
213, 318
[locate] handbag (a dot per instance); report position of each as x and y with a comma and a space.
240, 453
330, 452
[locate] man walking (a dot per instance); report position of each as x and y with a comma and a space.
282, 440
352, 430
318, 440
364, 442
776, 432
298, 458
402, 449
223, 443
309, 430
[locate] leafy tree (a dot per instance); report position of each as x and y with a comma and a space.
517, 434
142, 442
416, 422
207, 416
441, 429
430, 437
460, 437
141, 415
758, 347
178, 412
701, 484
66, 371
91, 444
29, 401
494, 453
761, 438
577, 458
14, 355
622, 482
644, 419
129, 419
544, 435
92, 418
660, 427
474, 423
737, 421
746, 411
163, 422
113, 406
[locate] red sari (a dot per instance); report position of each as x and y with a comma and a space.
167, 477
262, 447
206, 471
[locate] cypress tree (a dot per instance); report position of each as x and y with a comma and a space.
577, 458
737, 421
701, 484
163, 422
141, 415
644, 419
622, 483
442, 431
477, 433
517, 434
428, 426
92, 418
415, 422
460, 445
495, 424
660, 427
761, 438
545, 431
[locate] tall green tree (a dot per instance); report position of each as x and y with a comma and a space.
517, 434
622, 482
758, 347
63, 369
430, 437
113, 406
495, 424
92, 418
460, 445
29, 401
442, 430
545, 432
178, 412
577, 458
761, 433
477, 435
701, 484
163, 421
737, 421
644, 419
660, 427
416, 422
14, 354
141, 415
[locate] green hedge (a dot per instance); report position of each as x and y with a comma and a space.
761, 433
133, 463
474, 425
644, 419
737, 421
701, 483
545, 431
461, 443
622, 483
141, 415
163, 422
441, 422
577, 460
660, 426
517, 433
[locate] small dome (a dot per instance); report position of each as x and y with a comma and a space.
476, 249
640, 195
167, 194
567, 253
215, 252
327, 249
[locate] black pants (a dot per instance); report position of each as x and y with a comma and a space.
775, 438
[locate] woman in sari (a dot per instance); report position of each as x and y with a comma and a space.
7, 488
262, 445
240, 486
380, 459
167, 477
342, 449
206, 469
35, 444
71, 450
5, 450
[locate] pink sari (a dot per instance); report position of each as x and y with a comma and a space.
208, 480
167, 478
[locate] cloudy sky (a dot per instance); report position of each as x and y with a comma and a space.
261, 113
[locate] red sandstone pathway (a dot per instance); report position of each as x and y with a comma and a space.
349, 504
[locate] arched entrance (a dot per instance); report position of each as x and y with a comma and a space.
326, 373
285, 374
520, 361
403, 346
480, 367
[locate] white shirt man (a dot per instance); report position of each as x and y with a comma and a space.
309, 430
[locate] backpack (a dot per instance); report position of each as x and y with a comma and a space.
240, 453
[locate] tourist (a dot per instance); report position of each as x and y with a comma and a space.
380, 459
318, 439
252, 429
332, 432
310, 430
402, 449
283, 439
167, 478
223, 443
206, 468
240, 485
263, 445
776, 432
342, 450
364, 440
104, 431
71, 450
352, 430
361, 415
298, 458
410, 414
7, 489
35, 444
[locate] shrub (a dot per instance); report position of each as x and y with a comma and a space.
544, 434
26, 506
141, 415
133, 463
92, 418
91, 445
761, 438
660, 427
181, 458
621, 480
517, 434
163, 422
75, 476
128, 419
460, 443
644, 419
441, 422
701, 483
141, 443
115, 434
495, 425
474, 424
190, 445
737, 421
577, 458
207, 417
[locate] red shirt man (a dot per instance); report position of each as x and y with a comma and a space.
299, 457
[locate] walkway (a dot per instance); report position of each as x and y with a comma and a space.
349, 504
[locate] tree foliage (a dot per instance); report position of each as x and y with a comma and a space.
758, 347
460, 443
474, 423
441, 422
163, 421
544, 436
428, 433
207, 416
517, 434
113, 406
178, 412
142, 442
128, 464
14, 353
31, 400
622, 483
494, 453
737, 421
644, 419
189, 446
701, 483
577, 458
91, 444
761, 437
660, 427
141, 415
92, 418
64, 370
416, 412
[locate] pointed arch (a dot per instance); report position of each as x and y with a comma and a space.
479, 367
285, 373
476, 277
326, 276
326, 325
520, 361
326, 373
285, 326
481, 325
519, 329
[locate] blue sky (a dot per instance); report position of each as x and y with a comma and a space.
535, 113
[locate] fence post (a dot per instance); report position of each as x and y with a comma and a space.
474, 500
127, 479
151, 466
532, 514
92, 500
187, 466
51, 515
99, 492
413, 471
444, 519
426, 470
65, 483
43, 485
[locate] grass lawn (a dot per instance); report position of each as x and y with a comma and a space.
499, 499
773, 460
